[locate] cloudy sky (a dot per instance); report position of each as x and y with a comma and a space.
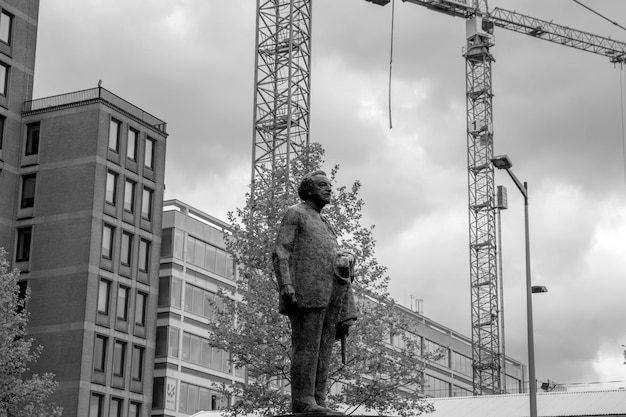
557, 114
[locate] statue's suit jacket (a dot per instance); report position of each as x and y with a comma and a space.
308, 245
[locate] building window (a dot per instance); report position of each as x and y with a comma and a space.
461, 364
6, 24
127, 249
134, 410
146, 204
122, 303
173, 341
148, 158
140, 309
100, 353
114, 134
131, 146
24, 235
28, 190
137, 367
198, 350
4, 77
170, 290
144, 255
116, 408
194, 398
2, 120
207, 256
111, 188
108, 232
95, 406
435, 387
129, 196
119, 358
103, 296
32, 137
201, 302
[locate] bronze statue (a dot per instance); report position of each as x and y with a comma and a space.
314, 277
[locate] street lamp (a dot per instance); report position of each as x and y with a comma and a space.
503, 162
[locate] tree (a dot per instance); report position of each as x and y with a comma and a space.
19, 397
376, 375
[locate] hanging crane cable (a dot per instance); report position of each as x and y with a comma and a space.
393, 14
622, 93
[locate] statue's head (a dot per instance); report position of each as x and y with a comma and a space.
315, 186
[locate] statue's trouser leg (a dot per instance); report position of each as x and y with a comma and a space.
306, 329
329, 331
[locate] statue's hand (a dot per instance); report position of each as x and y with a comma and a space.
342, 331
288, 293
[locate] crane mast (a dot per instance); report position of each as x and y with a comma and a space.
282, 85
281, 130
486, 346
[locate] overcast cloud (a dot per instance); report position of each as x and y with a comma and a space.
557, 114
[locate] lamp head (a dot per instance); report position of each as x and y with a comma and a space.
501, 162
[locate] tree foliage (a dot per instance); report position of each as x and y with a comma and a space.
376, 376
19, 397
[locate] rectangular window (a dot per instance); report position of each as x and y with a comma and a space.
2, 120
103, 296
137, 371
4, 77
122, 303
173, 338
134, 409
148, 158
146, 204
119, 358
160, 349
144, 255
140, 309
177, 290
111, 188
126, 253
131, 145
6, 24
166, 243
28, 190
100, 353
95, 405
117, 405
24, 235
129, 196
108, 233
32, 137
114, 134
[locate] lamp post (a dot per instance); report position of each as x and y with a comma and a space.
503, 162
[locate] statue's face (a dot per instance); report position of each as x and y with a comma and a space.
321, 191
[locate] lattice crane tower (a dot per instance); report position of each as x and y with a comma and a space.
282, 83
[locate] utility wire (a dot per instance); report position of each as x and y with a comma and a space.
602, 16
393, 14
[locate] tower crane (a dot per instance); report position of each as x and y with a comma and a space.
281, 129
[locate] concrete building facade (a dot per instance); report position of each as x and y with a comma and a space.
194, 265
